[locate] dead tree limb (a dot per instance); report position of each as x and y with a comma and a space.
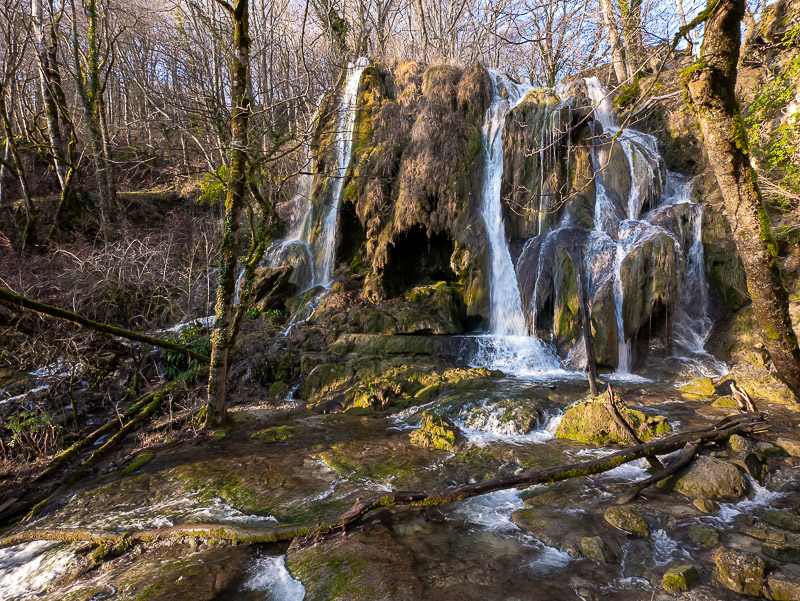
626, 428
684, 459
743, 399
19, 301
311, 533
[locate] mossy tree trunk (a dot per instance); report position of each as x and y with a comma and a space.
91, 72
709, 87
29, 233
224, 332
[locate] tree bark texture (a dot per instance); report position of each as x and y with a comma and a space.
709, 87
223, 335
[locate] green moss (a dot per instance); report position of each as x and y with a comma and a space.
590, 422
680, 578
275, 434
138, 462
435, 431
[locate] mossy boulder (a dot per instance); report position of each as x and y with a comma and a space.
709, 478
784, 583
790, 445
435, 309
783, 519
740, 571
707, 506
435, 431
703, 537
680, 578
590, 422
761, 385
724, 268
627, 519
595, 547
698, 390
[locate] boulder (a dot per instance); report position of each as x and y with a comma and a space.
590, 422
784, 583
698, 390
761, 385
710, 478
740, 571
790, 445
435, 431
724, 268
680, 578
594, 547
783, 519
706, 505
627, 519
703, 536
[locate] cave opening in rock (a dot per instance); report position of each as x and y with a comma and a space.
418, 259
652, 340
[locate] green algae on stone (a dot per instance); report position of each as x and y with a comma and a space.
784, 583
594, 547
275, 434
710, 478
703, 537
698, 389
761, 385
783, 519
138, 462
627, 519
435, 431
740, 571
590, 422
680, 578
725, 402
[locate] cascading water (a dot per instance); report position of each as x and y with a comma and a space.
506, 317
343, 145
508, 346
650, 186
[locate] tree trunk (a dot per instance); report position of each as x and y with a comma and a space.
223, 335
617, 52
709, 87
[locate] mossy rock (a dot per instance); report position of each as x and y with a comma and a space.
783, 519
278, 390
707, 506
594, 547
699, 389
790, 445
325, 379
784, 583
275, 434
436, 432
590, 422
680, 578
740, 571
725, 402
703, 536
627, 519
709, 478
761, 385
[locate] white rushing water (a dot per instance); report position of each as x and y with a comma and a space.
650, 186
343, 146
505, 317
508, 346
269, 574
26, 570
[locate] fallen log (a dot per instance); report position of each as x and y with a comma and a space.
684, 459
626, 428
305, 534
17, 300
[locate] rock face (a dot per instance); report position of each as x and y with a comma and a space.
761, 385
408, 207
740, 571
709, 478
590, 422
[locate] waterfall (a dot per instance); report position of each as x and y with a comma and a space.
343, 147
650, 186
508, 346
505, 317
